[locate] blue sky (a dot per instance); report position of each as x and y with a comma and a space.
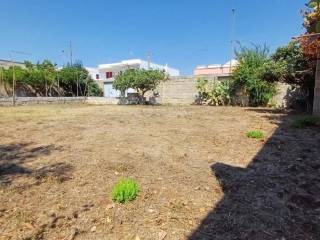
182, 33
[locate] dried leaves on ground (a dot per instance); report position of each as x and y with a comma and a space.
200, 176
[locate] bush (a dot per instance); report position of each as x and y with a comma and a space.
125, 191
297, 70
255, 134
214, 92
94, 89
305, 121
256, 73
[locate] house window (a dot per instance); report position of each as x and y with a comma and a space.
97, 76
109, 75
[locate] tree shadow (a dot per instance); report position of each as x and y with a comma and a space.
59, 171
277, 196
14, 156
267, 110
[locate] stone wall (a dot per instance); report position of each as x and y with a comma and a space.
179, 90
58, 100
42, 100
102, 101
182, 90
283, 97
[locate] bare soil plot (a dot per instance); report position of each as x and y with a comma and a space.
200, 176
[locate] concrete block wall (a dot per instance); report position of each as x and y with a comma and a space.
179, 90
182, 90
281, 99
102, 101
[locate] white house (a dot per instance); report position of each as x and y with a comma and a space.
94, 73
107, 72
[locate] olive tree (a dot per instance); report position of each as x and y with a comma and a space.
139, 79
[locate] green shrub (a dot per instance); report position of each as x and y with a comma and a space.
214, 92
94, 89
124, 191
305, 121
255, 134
257, 73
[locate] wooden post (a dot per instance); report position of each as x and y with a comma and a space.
13, 86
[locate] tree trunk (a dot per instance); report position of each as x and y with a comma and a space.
316, 103
142, 99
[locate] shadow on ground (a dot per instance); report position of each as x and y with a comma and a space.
276, 197
13, 158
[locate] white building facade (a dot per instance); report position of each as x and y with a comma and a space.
107, 73
94, 73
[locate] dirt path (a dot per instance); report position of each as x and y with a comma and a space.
200, 176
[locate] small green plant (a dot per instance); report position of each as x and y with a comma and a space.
255, 134
305, 121
125, 190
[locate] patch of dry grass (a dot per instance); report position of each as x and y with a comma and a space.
69, 157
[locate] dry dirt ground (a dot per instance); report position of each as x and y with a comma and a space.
200, 176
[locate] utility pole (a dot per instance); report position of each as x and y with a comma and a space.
13, 81
58, 83
1, 75
149, 56
13, 86
77, 83
233, 22
58, 76
46, 84
71, 53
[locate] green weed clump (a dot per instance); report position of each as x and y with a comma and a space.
255, 134
305, 121
125, 190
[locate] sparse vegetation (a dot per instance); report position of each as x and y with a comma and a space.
214, 93
255, 76
305, 121
125, 190
199, 165
255, 134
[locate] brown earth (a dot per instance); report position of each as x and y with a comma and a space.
200, 176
